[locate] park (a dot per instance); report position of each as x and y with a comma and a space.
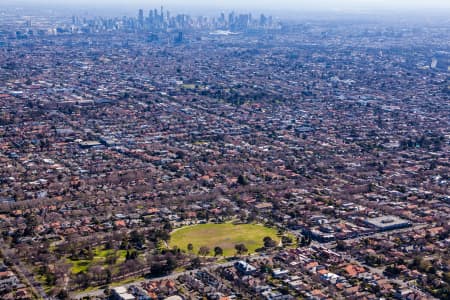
226, 236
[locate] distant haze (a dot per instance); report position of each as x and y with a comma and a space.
292, 6
254, 4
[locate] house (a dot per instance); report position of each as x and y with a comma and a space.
279, 273
121, 293
244, 268
354, 270
8, 280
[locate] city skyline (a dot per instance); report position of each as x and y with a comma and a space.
323, 5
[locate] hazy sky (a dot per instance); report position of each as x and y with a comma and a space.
296, 5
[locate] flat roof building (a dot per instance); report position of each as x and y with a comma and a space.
385, 223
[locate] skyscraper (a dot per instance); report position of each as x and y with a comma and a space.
179, 38
141, 18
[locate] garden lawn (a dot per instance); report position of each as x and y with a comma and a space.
83, 265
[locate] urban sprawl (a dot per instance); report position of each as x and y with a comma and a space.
239, 156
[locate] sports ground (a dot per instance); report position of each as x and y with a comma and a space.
225, 236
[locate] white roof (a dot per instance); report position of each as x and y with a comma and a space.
120, 290
127, 296
174, 298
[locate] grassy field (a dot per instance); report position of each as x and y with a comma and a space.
99, 258
225, 236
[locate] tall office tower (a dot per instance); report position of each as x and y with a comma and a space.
151, 19
179, 38
231, 19
262, 20
162, 13
243, 21
141, 18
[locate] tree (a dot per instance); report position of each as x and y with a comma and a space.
108, 274
50, 279
109, 244
137, 238
305, 241
167, 228
190, 247
157, 268
88, 253
82, 279
269, 242
62, 294
124, 245
133, 254
446, 277
340, 245
392, 271
242, 180
286, 240
171, 262
163, 235
204, 250
240, 249
111, 258
195, 263
218, 251
31, 223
